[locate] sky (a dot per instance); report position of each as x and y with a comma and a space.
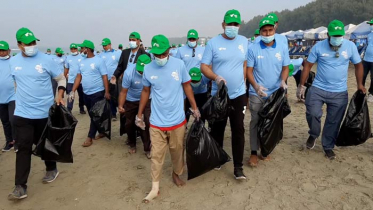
60, 23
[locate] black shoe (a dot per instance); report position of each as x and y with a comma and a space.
311, 142
18, 193
8, 146
330, 154
83, 112
238, 174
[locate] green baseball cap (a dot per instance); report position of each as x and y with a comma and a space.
105, 41
142, 60
135, 35
252, 38
59, 50
25, 36
73, 46
195, 74
179, 45
266, 21
192, 34
88, 44
273, 16
173, 45
371, 22
160, 44
4, 45
49, 49
120, 45
336, 28
291, 69
232, 16
257, 32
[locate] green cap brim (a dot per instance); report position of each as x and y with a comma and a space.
29, 40
337, 33
196, 78
371, 22
232, 21
140, 68
158, 51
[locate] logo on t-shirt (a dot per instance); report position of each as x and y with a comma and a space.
92, 66
39, 68
103, 57
113, 57
240, 47
278, 56
345, 54
154, 77
175, 75
325, 55
222, 48
186, 55
137, 82
70, 61
260, 56
79, 60
17, 68
199, 56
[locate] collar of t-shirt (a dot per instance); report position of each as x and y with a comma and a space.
263, 46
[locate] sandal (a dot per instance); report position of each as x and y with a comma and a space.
87, 143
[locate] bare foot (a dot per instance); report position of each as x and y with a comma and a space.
253, 161
99, 136
132, 150
88, 142
177, 180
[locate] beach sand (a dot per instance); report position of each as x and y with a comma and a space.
106, 176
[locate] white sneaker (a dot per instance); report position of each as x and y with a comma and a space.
370, 98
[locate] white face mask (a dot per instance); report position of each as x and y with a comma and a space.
5, 58
161, 62
192, 44
133, 45
196, 84
31, 50
74, 53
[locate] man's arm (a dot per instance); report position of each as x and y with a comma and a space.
244, 70
207, 71
61, 81
190, 95
306, 71
359, 74
66, 72
122, 99
122, 65
106, 85
285, 73
145, 93
77, 82
250, 76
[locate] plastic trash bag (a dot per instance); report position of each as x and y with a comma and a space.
270, 125
356, 127
101, 116
217, 107
122, 129
57, 138
203, 153
114, 92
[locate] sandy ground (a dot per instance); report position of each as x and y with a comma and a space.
106, 176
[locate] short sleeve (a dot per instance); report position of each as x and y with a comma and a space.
185, 77
286, 61
178, 54
207, 55
355, 57
52, 68
250, 57
103, 69
126, 83
118, 54
312, 58
67, 65
145, 80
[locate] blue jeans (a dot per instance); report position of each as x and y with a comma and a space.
336, 106
69, 87
89, 101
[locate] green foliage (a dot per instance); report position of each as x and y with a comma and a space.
316, 14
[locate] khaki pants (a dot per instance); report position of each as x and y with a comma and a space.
160, 141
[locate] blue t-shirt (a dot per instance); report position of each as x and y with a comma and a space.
227, 58
332, 72
202, 87
173, 52
60, 62
368, 57
34, 95
7, 91
166, 91
132, 80
92, 70
267, 63
297, 63
279, 39
185, 53
73, 64
111, 60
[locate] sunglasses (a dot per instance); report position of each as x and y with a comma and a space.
194, 52
131, 58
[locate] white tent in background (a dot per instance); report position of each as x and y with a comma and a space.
298, 34
360, 31
323, 34
349, 26
289, 35
312, 34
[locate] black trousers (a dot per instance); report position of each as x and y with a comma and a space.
28, 132
236, 119
297, 77
200, 100
6, 116
368, 67
89, 101
132, 108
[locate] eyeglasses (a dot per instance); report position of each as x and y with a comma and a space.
194, 52
131, 58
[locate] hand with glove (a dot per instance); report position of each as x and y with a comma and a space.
71, 96
283, 85
218, 79
260, 90
196, 113
301, 90
140, 122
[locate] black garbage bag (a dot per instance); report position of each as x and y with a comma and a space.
114, 92
203, 153
101, 115
356, 128
57, 138
270, 125
309, 82
122, 129
217, 107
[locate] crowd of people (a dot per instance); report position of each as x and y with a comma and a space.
161, 86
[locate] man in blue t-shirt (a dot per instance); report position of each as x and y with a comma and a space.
92, 75
173, 50
129, 102
368, 61
111, 58
227, 54
60, 59
32, 72
72, 66
330, 85
295, 69
280, 39
267, 71
7, 96
166, 78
